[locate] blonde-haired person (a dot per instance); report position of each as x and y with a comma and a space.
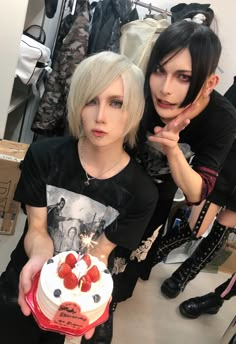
97, 179
90, 79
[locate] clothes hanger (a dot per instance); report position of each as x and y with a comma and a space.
149, 15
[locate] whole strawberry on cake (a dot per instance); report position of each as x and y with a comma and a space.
73, 290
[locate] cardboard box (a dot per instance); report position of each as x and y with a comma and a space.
11, 154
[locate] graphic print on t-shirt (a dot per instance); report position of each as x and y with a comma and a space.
74, 220
154, 161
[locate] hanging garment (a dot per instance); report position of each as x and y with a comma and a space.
139, 36
133, 15
180, 10
50, 8
108, 17
71, 48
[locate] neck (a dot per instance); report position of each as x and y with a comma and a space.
201, 103
102, 162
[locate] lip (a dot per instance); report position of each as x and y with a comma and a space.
164, 104
98, 132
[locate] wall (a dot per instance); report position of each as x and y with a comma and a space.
22, 14
10, 36
225, 16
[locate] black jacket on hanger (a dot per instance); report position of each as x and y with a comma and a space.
108, 17
50, 8
180, 10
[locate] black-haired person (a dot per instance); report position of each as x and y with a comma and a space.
219, 212
94, 175
209, 303
184, 118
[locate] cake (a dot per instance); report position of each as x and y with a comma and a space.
73, 291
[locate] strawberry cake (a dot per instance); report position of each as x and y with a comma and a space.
73, 290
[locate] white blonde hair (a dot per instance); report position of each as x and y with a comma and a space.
92, 76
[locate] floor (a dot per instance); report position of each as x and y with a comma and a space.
150, 318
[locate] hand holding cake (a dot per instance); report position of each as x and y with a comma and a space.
72, 293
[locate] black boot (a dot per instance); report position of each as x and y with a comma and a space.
209, 303
104, 332
174, 238
203, 254
206, 304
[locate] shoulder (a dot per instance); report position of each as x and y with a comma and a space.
42, 155
51, 148
221, 118
216, 121
221, 108
51, 144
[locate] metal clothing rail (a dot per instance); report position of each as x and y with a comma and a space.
151, 7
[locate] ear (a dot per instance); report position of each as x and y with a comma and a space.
210, 84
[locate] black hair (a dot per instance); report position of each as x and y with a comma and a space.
204, 47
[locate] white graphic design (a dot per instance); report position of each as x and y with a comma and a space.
141, 252
75, 221
119, 266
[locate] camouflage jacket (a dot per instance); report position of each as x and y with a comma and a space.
71, 48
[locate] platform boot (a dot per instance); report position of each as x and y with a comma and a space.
209, 303
174, 238
178, 236
204, 253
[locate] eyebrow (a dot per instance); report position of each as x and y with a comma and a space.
184, 71
112, 96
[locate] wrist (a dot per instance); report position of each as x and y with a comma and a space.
174, 152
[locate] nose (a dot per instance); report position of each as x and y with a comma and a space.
101, 113
166, 85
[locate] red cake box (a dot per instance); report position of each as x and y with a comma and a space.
71, 294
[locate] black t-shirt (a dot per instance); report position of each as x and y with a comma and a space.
52, 177
212, 133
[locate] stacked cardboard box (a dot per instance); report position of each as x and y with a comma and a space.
11, 155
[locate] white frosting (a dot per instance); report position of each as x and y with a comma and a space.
80, 268
49, 281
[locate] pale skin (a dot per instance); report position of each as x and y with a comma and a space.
104, 125
39, 248
169, 86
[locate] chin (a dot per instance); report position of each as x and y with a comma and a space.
168, 115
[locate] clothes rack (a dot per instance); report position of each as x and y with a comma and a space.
151, 7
